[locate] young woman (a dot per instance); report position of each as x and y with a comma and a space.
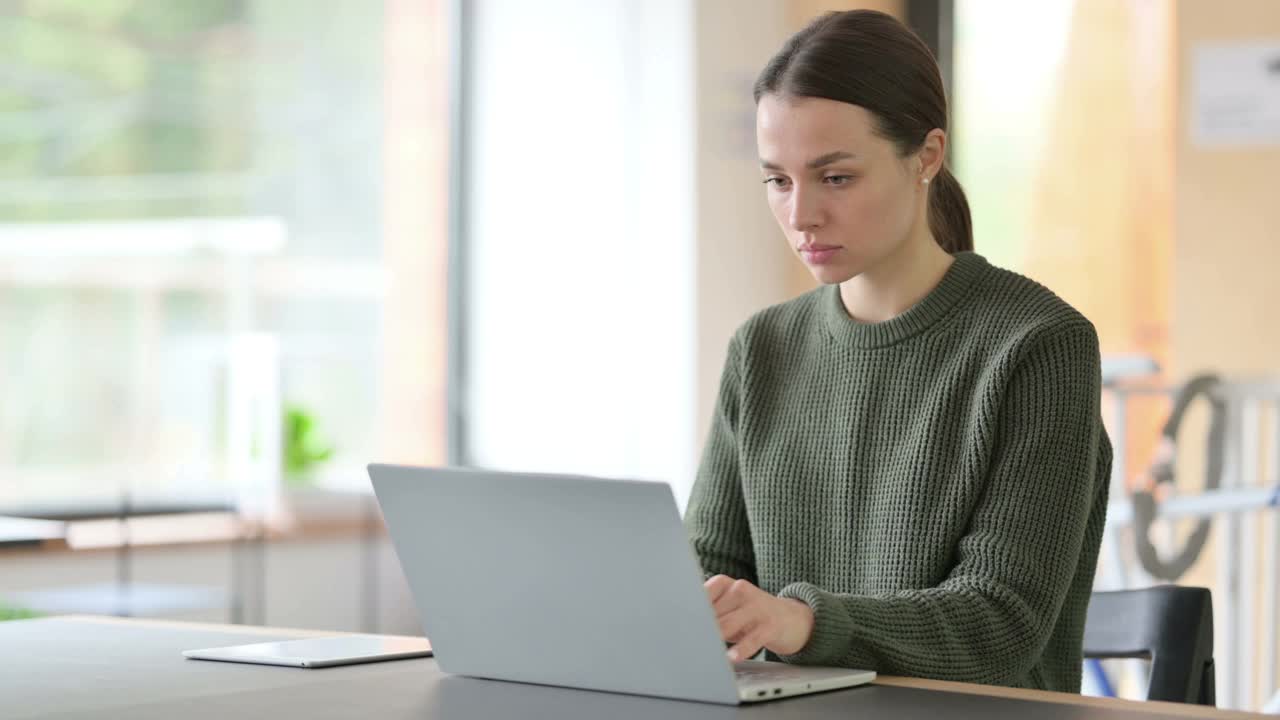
907, 469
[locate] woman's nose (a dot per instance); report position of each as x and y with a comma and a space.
806, 214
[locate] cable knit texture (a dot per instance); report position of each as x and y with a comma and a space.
933, 486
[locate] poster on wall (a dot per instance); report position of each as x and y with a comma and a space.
1235, 94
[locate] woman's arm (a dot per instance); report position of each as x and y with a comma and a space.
992, 617
717, 517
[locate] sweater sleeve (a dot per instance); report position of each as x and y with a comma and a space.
716, 517
992, 616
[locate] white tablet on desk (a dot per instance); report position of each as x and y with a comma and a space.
319, 652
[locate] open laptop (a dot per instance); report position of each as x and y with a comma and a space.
569, 581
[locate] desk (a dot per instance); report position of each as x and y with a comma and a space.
87, 667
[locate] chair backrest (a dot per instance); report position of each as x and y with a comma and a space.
1172, 626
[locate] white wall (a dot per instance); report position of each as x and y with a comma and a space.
744, 264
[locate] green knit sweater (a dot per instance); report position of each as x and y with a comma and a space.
934, 487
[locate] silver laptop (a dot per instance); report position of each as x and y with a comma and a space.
569, 581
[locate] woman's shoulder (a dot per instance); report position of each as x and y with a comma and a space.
1018, 310
1027, 299
789, 321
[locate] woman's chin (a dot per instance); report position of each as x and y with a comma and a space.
831, 274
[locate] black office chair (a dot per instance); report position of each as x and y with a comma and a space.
1170, 626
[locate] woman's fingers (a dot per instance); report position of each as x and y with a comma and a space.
748, 646
742, 612
737, 594
735, 624
717, 586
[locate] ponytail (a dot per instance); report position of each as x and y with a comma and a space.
949, 214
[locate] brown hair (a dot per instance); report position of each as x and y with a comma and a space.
870, 59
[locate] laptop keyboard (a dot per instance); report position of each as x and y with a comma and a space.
761, 674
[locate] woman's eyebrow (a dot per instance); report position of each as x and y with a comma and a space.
830, 158
815, 163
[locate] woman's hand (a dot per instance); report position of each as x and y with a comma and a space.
752, 619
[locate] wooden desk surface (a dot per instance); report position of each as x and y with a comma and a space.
83, 666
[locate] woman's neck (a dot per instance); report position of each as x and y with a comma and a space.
897, 282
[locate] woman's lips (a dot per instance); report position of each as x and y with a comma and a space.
819, 254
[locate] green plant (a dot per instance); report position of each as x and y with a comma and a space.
303, 452
13, 613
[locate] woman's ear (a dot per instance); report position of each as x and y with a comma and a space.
932, 154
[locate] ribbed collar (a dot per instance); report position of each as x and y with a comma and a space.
963, 275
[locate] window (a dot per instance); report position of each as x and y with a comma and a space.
578, 298
205, 211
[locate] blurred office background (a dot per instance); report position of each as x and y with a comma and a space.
248, 246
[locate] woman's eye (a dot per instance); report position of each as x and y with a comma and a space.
838, 180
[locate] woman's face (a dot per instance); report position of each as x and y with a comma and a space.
844, 198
